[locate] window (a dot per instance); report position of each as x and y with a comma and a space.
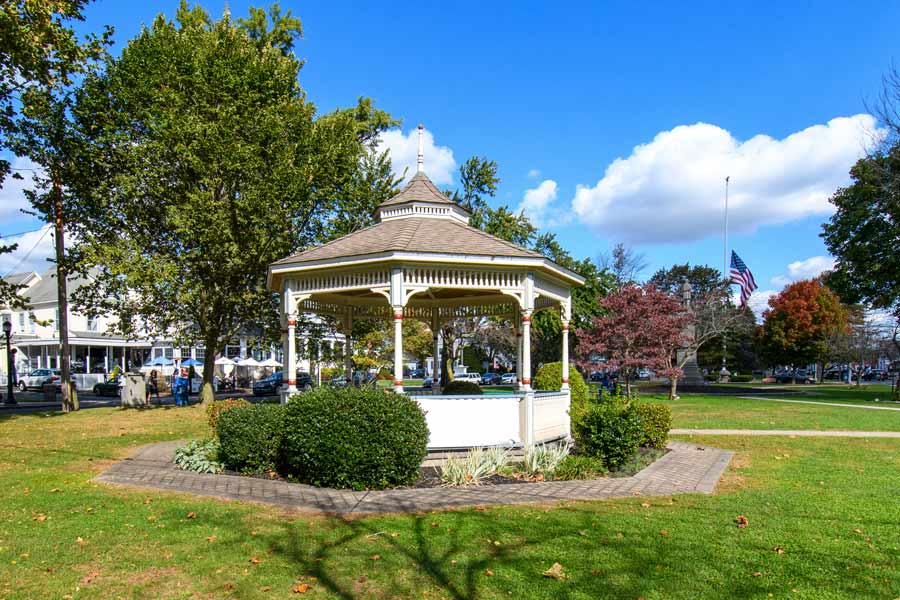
31, 323
56, 320
201, 353
6, 317
92, 323
169, 353
21, 322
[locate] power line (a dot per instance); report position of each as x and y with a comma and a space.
28, 254
18, 233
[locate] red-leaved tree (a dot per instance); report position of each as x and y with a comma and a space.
641, 327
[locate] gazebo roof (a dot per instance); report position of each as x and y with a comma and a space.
413, 234
419, 189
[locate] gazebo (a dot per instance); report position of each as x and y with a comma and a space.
422, 260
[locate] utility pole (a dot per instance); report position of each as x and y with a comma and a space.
69, 397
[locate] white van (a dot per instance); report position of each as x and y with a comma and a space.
471, 377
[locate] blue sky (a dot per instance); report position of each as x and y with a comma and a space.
556, 93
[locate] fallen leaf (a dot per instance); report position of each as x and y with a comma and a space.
147, 500
555, 572
433, 524
192, 515
453, 562
211, 538
40, 517
54, 490
583, 533
756, 574
488, 573
89, 578
300, 588
265, 588
741, 521
857, 531
663, 532
778, 550
645, 504
80, 541
254, 560
228, 586
375, 557
395, 535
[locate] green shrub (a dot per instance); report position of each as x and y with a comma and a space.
215, 409
656, 420
460, 387
250, 437
353, 438
746, 378
199, 456
711, 377
543, 459
549, 377
609, 432
579, 466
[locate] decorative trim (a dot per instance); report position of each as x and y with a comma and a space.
565, 380
398, 315
292, 382
398, 382
526, 381
292, 322
565, 327
526, 319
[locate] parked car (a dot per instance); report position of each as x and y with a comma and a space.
508, 379
37, 378
800, 375
113, 387
417, 374
875, 375
271, 385
644, 374
597, 377
428, 383
491, 379
473, 377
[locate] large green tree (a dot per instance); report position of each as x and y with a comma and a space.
209, 164
703, 279
40, 57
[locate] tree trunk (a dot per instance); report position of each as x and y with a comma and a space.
207, 393
673, 387
69, 398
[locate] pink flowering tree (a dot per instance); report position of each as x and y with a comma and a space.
640, 327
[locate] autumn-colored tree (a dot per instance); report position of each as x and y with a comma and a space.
799, 323
641, 327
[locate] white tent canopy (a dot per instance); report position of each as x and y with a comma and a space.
270, 362
224, 361
249, 362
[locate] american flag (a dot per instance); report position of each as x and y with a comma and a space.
742, 276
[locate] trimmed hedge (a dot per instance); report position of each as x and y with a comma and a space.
549, 377
462, 387
746, 378
609, 432
656, 421
353, 438
250, 437
215, 409
711, 377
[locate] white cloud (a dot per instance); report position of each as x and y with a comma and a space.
804, 269
758, 301
404, 152
537, 204
35, 247
12, 194
671, 189
534, 173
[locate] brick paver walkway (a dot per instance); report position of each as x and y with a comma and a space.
788, 432
687, 468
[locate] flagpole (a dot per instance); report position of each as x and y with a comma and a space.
723, 373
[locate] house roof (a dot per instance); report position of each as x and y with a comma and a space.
45, 291
419, 189
21, 278
415, 234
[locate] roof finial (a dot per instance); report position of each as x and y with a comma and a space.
421, 161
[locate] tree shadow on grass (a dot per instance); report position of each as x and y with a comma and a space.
455, 553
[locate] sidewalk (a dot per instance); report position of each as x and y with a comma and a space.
788, 432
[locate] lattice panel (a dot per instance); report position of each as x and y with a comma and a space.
330, 282
462, 278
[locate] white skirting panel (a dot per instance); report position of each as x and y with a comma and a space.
551, 416
471, 421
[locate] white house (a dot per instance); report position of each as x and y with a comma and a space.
94, 349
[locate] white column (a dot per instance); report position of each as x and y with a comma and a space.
517, 325
348, 346
87, 361
290, 363
565, 354
398, 349
526, 349
243, 342
436, 360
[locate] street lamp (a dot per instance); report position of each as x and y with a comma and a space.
10, 399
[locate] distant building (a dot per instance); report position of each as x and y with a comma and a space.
94, 349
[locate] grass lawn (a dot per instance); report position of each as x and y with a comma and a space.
831, 508
713, 412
